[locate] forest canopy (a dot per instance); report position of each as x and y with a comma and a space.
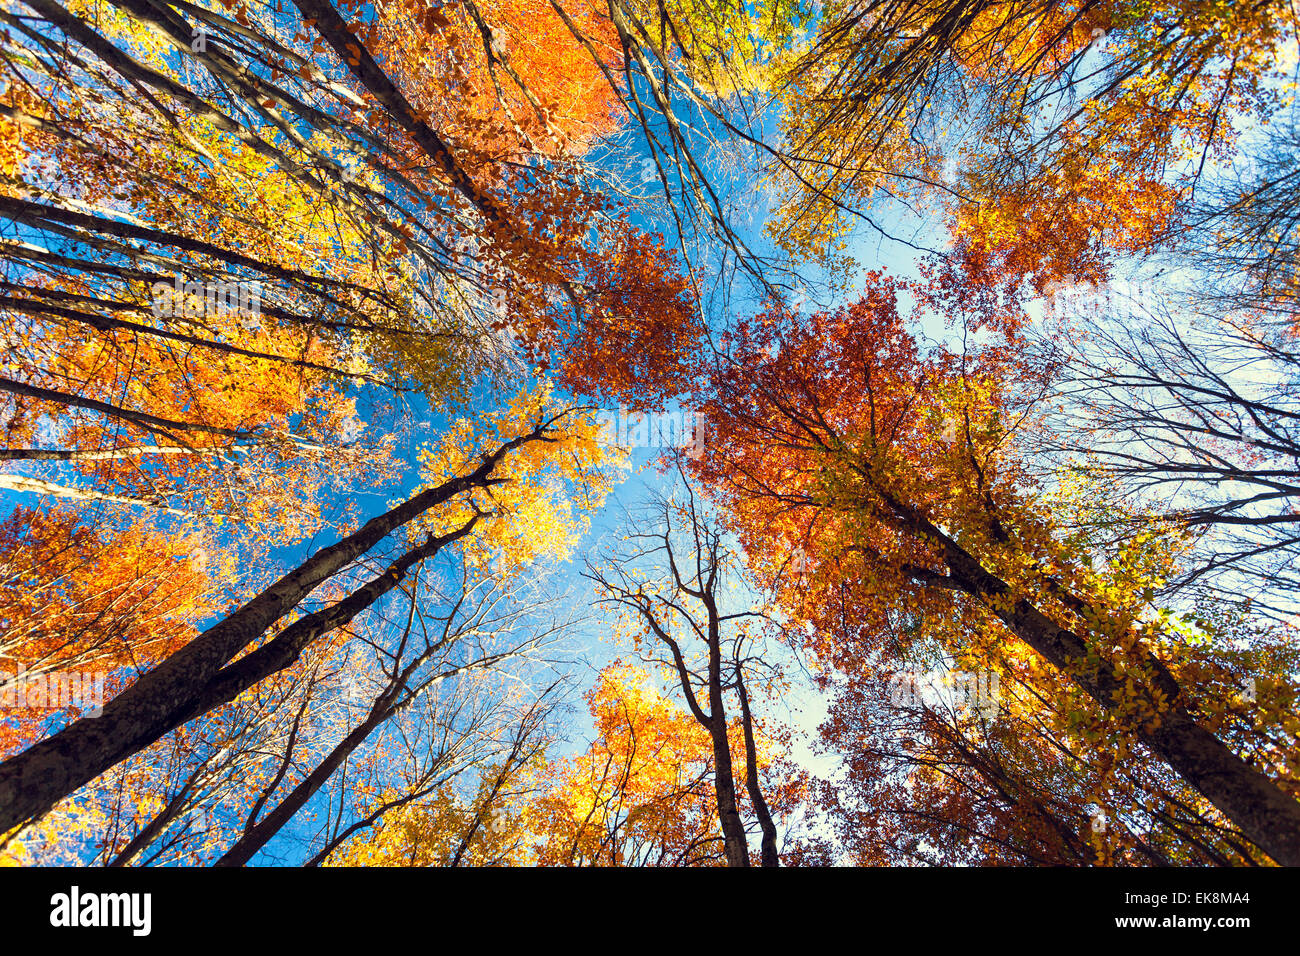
613, 433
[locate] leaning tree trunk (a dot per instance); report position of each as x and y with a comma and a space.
1267, 815
196, 678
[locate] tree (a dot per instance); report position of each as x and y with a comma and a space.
899, 476
428, 262
1190, 410
209, 670
945, 767
457, 648
672, 587
1242, 229
241, 229
640, 794
1053, 133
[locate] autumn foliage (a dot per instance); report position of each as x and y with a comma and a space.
314, 319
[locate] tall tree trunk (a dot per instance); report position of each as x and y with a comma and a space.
724, 782
770, 857
192, 680
1266, 815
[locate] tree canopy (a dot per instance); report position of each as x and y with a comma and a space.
576, 433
